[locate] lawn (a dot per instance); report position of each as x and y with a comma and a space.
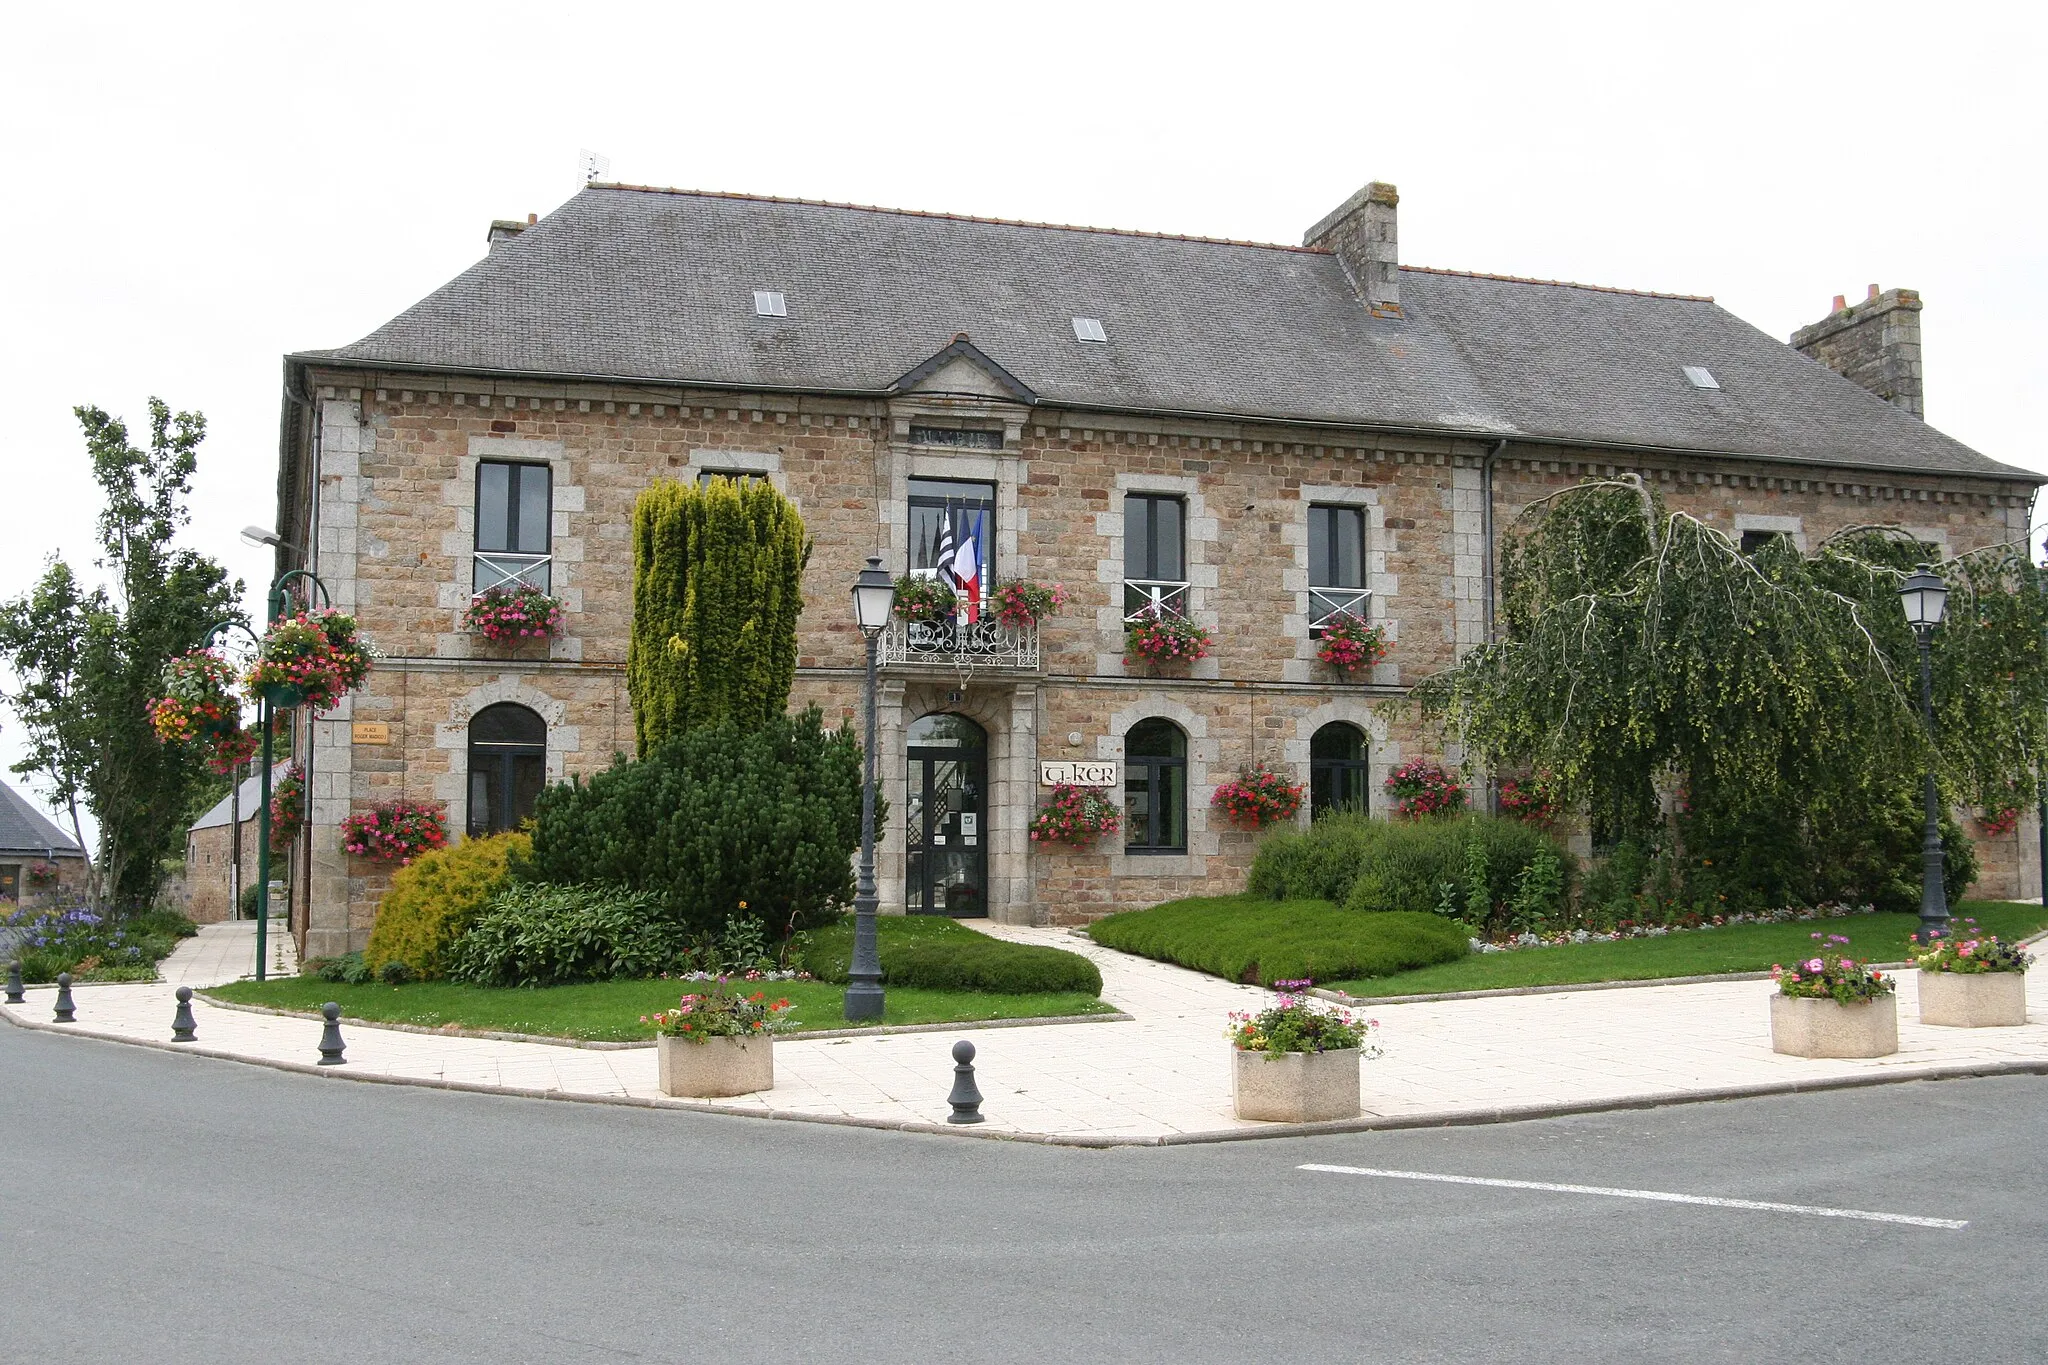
1249, 938
1699, 952
609, 1011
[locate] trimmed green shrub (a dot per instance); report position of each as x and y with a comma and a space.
713, 818
1477, 868
346, 970
941, 954
538, 935
433, 900
1246, 938
717, 586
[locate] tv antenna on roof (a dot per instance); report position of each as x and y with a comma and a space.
592, 165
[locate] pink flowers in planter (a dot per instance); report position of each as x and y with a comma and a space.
1076, 816
398, 832
1024, 603
520, 612
1257, 798
1160, 637
1350, 644
1528, 799
1421, 788
313, 657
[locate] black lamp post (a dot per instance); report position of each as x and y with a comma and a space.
874, 594
1926, 600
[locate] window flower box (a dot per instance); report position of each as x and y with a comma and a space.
1832, 1005
1023, 603
40, 874
1075, 816
925, 598
1350, 644
518, 611
1971, 980
1157, 636
398, 832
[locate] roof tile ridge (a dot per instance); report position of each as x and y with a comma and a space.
962, 217
1558, 284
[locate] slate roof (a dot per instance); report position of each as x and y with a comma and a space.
222, 811
626, 283
25, 830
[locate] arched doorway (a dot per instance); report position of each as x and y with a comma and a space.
508, 765
1338, 770
946, 790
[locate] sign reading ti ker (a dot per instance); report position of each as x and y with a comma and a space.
1077, 774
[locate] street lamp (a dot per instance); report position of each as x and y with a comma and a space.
874, 593
1925, 598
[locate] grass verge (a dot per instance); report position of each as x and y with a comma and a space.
1251, 939
609, 1011
1697, 952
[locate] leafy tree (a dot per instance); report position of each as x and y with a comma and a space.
1642, 650
717, 586
767, 815
87, 663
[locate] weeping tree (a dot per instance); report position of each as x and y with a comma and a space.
1776, 691
717, 586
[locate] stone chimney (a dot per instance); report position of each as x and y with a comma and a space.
1363, 234
1876, 344
504, 230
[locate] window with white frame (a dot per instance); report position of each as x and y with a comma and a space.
513, 512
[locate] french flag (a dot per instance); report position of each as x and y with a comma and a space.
966, 569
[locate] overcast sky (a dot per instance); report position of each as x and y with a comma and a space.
194, 190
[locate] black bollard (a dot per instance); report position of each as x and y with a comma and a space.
66, 1013
14, 995
965, 1099
184, 1028
330, 1037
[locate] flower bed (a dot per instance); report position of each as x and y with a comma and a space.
287, 808
199, 699
313, 657
1257, 798
1421, 788
1164, 637
1024, 603
523, 612
1350, 643
1076, 816
398, 832
1830, 974
1628, 929
924, 598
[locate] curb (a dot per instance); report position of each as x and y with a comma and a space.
1439, 1119
600, 1045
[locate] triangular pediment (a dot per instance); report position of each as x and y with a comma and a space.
963, 368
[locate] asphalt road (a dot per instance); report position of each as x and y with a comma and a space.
168, 1209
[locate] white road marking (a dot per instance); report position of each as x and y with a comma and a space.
1662, 1196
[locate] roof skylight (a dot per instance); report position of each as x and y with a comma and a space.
1700, 377
1089, 329
769, 304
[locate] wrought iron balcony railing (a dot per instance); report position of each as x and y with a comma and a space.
953, 643
1327, 604
1154, 596
508, 569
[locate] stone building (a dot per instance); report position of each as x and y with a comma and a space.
212, 875
1257, 435
39, 863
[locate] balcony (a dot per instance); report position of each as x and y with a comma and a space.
957, 644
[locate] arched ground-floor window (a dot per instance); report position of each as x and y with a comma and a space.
1339, 773
508, 765
1155, 788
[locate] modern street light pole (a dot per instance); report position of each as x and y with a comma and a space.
1926, 600
874, 594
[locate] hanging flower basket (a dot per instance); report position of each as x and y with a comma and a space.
1529, 799
396, 833
231, 750
1259, 797
925, 599
40, 873
1350, 643
287, 808
1075, 816
1164, 637
1421, 788
199, 699
523, 612
1024, 603
312, 658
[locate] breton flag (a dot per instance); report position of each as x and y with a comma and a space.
967, 572
942, 557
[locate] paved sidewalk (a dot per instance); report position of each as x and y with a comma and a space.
225, 952
1164, 1076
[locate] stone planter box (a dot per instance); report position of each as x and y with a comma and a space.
1973, 999
1296, 1087
716, 1067
1821, 1028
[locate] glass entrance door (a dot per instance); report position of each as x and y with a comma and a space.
946, 786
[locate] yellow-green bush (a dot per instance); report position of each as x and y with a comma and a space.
432, 901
